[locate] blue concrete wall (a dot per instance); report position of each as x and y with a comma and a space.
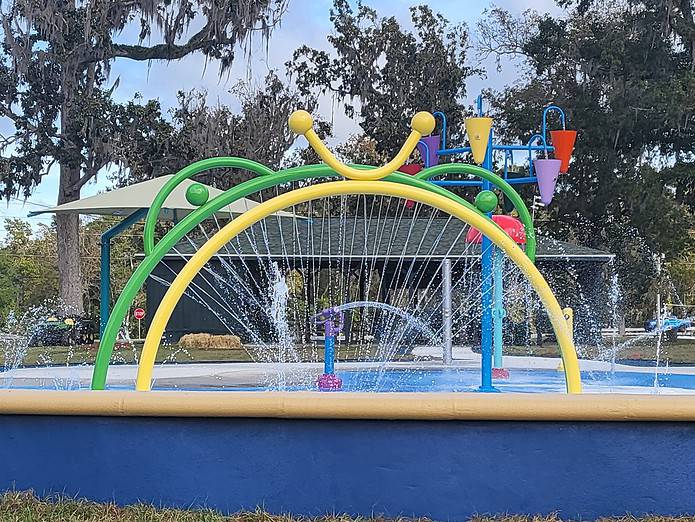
443, 470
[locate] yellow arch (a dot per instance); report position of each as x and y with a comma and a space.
337, 188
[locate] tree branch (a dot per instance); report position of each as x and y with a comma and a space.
17, 119
77, 186
20, 120
165, 51
90, 173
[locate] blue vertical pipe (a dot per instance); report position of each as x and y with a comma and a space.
544, 119
104, 280
105, 263
329, 355
441, 115
498, 312
486, 283
426, 154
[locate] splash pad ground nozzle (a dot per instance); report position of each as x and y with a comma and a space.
329, 382
500, 373
333, 321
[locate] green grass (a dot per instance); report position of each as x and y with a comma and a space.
681, 351
60, 355
26, 507
127, 354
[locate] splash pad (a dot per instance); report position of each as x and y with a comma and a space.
374, 181
366, 452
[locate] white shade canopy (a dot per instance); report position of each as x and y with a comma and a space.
124, 201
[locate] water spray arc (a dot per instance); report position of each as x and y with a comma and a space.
333, 321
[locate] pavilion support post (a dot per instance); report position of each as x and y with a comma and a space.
386, 282
346, 277
447, 355
362, 296
498, 312
362, 283
308, 274
105, 269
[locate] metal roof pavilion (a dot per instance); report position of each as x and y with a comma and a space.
132, 203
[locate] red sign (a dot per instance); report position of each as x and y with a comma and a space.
139, 314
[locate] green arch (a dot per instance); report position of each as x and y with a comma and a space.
188, 172
267, 178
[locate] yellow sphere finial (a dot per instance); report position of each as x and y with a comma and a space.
423, 122
300, 122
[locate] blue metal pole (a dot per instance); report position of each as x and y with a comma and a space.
498, 312
544, 119
329, 355
426, 155
443, 134
457, 150
543, 147
486, 275
458, 183
333, 322
524, 148
105, 271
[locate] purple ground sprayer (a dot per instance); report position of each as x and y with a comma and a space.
333, 322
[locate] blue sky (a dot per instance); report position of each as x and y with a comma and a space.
305, 22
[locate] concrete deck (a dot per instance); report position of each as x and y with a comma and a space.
225, 375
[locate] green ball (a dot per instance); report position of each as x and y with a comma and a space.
197, 194
486, 201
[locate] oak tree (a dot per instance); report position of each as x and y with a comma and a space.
54, 85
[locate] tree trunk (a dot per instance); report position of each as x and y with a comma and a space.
68, 230
68, 225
